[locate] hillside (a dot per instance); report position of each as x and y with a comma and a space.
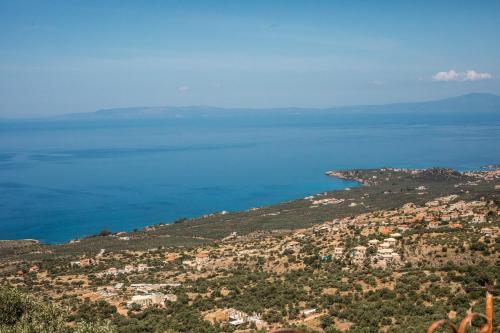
406, 248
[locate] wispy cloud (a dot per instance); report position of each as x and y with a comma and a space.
453, 75
183, 88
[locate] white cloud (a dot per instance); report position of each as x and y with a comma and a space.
453, 75
474, 76
446, 76
378, 82
183, 88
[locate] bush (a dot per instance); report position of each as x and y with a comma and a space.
104, 232
20, 313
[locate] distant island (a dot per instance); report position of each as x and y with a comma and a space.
469, 103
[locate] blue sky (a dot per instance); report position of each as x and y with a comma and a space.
79, 56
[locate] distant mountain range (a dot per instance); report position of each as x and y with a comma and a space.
475, 102
469, 104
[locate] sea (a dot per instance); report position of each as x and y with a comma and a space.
66, 179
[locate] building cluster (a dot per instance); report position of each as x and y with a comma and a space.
381, 233
392, 224
86, 261
492, 174
384, 253
201, 259
149, 287
109, 291
151, 299
125, 270
237, 318
144, 294
440, 212
316, 202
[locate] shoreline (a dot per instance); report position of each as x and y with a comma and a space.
291, 214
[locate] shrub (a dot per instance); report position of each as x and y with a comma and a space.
20, 313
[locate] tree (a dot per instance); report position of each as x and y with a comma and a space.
21, 314
94, 311
104, 232
98, 327
325, 321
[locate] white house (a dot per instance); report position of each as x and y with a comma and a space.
479, 218
391, 241
338, 252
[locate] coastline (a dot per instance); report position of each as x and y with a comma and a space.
352, 183
383, 188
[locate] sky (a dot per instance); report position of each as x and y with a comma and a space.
69, 56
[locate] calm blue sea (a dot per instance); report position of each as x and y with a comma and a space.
61, 180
